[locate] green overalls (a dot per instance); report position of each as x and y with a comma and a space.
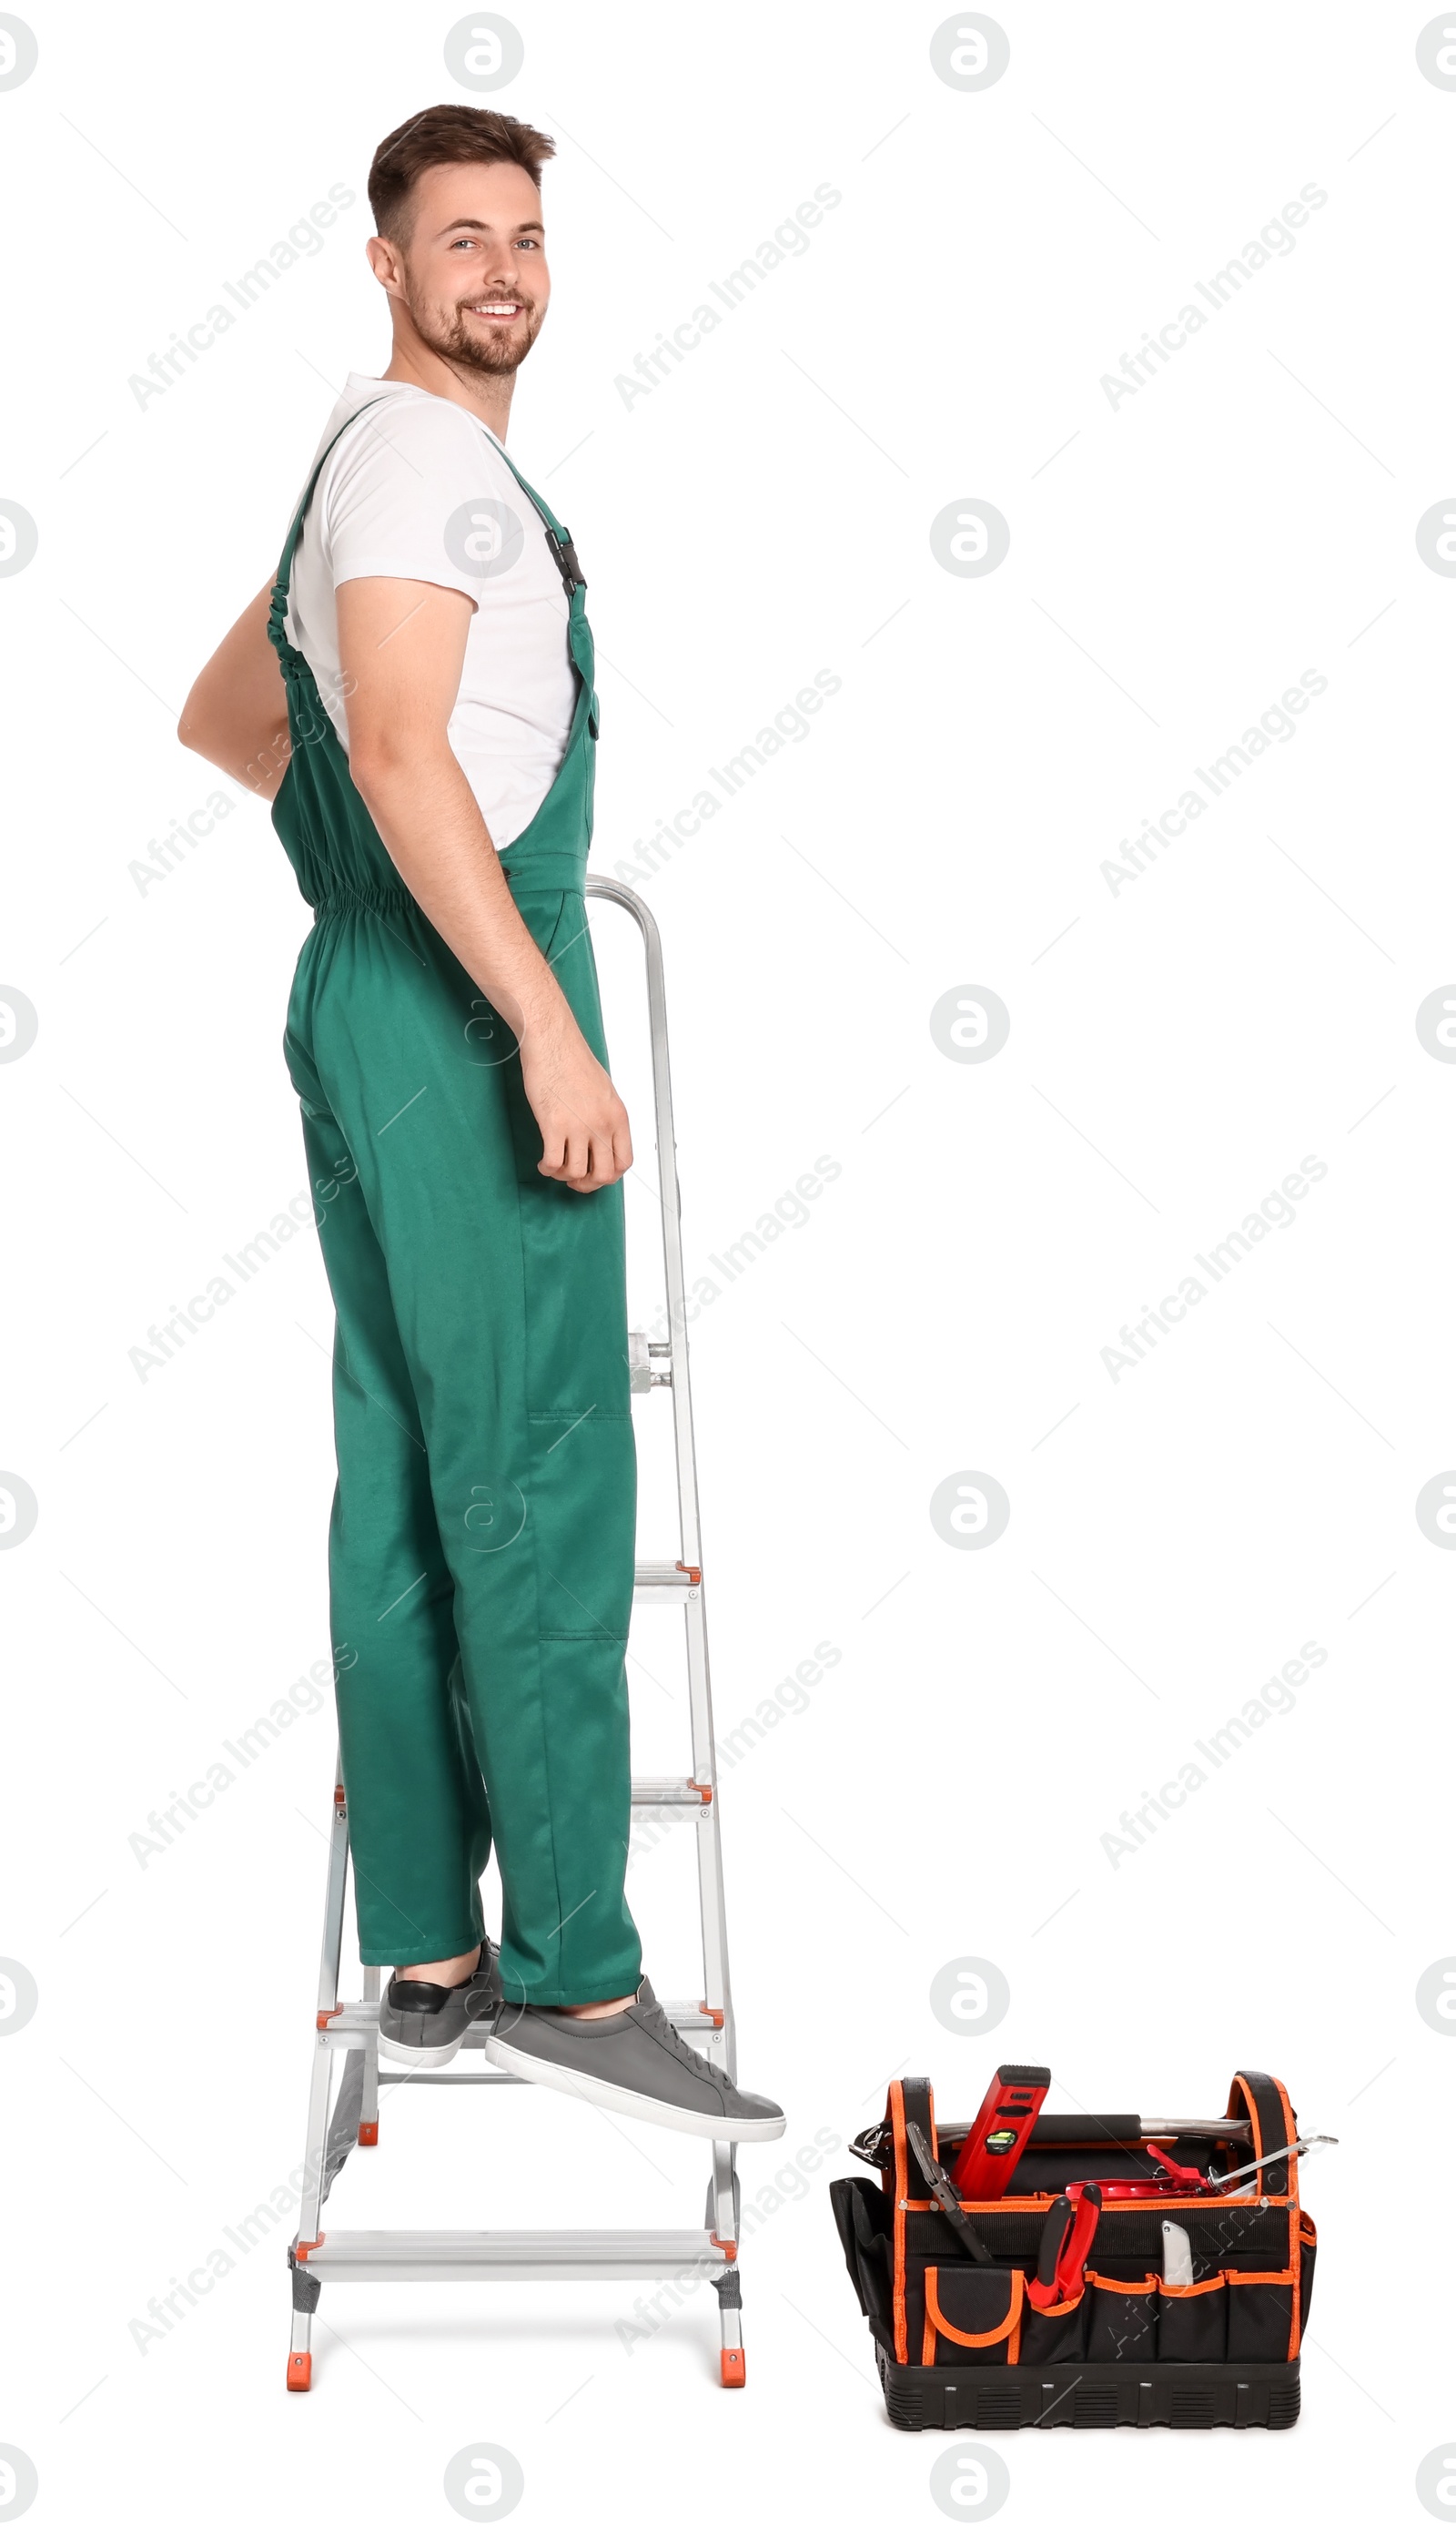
480, 1550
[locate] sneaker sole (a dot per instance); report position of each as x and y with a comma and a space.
417, 2055
623, 2100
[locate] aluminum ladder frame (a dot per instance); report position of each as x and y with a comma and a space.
351, 2028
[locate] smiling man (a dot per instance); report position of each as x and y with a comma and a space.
415, 694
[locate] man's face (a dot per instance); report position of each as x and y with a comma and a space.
473, 272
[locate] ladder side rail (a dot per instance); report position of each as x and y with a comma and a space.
712, 1902
671, 1207
310, 2199
700, 1697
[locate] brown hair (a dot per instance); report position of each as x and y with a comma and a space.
447, 136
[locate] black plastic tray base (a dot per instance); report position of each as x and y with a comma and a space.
1085, 2395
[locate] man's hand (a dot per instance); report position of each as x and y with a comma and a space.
401, 647
585, 1134
237, 715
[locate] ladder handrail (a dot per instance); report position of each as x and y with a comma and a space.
671, 1205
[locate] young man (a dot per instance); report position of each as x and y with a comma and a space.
414, 695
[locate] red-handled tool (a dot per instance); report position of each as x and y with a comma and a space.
1148, 2187
1066, 2241
990, 2153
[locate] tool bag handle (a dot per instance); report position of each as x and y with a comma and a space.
1263, 2101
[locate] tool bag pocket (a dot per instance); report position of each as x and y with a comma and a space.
861, 2214
1193, 2318
1308, 2249
1123, 2321
1261, 2315
1050, 2333
972, 2316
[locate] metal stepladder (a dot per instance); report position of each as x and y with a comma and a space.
350, 2029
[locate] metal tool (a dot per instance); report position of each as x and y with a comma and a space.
1177, 2255
350, 2029
1293, 2149
944, 2193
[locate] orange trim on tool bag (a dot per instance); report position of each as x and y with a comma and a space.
1308, 2235
1238, 2094
1130, 2289
1165, 2201
1007, 2331
1290, 2123
896, 2111
1192, 2289
1290, 2281
1064, 2306
1292, 2127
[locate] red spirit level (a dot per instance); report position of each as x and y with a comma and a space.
993, 2144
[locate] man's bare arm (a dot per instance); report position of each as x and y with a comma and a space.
402, 647
236, 716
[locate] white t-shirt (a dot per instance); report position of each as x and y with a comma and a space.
418, 490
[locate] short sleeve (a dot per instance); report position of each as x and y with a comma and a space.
415, 487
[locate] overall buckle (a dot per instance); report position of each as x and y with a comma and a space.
563, 552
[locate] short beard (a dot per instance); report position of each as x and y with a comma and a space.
496, 357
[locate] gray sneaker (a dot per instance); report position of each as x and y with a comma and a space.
635, 2063
422, 2023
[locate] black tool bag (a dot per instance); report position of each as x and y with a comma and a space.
961, 2346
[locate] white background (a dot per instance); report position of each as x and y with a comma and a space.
1177, 561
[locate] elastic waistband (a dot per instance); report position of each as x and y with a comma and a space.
339, 901
549, 870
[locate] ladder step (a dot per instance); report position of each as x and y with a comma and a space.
670, 1795
668, 1580
508, 2254
358, 2017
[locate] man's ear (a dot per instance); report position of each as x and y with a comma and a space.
387, 265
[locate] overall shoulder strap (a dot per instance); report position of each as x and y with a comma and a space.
563, 552
291, 543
